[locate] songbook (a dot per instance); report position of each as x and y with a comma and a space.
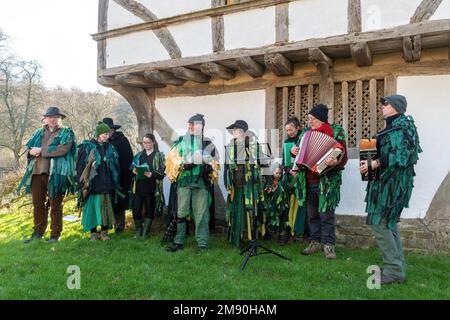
141, 170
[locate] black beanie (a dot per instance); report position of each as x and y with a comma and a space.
197, 118
320, 112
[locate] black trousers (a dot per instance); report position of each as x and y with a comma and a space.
322, 225
140, 201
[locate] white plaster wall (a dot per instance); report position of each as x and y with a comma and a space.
380, 14
248, 29
443, 11
429, 103
138, 47
317, 19
119, 17
220, 111
194, 38
169, 8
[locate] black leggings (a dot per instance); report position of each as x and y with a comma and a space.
143, 200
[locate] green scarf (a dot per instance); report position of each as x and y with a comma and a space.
62, 175
111, 158
329, 187
387, 196
159, 167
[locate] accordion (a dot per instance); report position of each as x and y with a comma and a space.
314, 148
368, 151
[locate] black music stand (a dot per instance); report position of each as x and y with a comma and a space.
252, 248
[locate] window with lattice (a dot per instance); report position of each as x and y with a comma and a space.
356, 108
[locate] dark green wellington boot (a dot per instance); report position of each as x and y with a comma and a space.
147, 226
137, 229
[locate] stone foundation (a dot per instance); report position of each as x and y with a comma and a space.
417, 234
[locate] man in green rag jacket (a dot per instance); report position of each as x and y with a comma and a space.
397, 148
50, 173
196, 152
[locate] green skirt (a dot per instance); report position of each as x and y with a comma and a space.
97, 211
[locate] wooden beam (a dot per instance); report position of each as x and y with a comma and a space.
412, 48
250, 66
354, 16
107, 81
430, 27
373, 107
285, 105
425, 10
218, 27
282, 22
278, 64
190, 74
359, 103
272, 135
390, 85
216, 70
163, 34
361, 54
345, 109
164, 77
133, 80
185, 17
317, 56
310, 97
102, 27
298, 101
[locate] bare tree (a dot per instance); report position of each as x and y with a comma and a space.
20, 98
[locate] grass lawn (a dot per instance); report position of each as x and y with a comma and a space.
124, 268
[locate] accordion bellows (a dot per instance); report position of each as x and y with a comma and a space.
315, 147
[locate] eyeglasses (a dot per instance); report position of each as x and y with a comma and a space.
146, 142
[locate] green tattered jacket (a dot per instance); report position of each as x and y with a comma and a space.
330, 183
390, 193
62, 175
159, 167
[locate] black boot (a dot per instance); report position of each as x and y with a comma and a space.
147, 226
137, 229
34, 236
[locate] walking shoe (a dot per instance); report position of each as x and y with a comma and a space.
328, 249
389, 280
201, 250
283, 238
53, 240
175, 247
34, 236
104, 235
94, 236
313, 247
146, 228
137, 229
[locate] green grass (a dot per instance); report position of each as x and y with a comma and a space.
127, 269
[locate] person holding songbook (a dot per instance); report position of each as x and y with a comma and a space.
293, 221
321, 192
147, 186
398, 150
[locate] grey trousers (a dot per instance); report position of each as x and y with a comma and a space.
390, 245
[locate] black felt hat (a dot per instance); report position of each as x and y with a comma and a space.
240, 124
110, 123
53, 112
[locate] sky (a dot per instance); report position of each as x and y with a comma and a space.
57, 34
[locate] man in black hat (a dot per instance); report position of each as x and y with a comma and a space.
123, 148
321, 193
398, 151
193, 183
50, 173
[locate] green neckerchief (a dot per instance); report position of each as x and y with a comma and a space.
62, 174
329, 187
189, 145
387, 196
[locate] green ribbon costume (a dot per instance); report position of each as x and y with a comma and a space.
97, 208
158, 166
240, 201
62, 175
387, 196
277, 203
329, 186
